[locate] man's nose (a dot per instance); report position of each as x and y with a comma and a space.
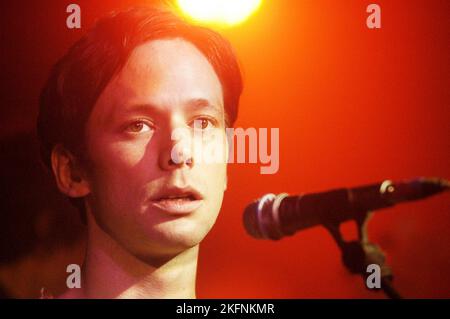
177, 152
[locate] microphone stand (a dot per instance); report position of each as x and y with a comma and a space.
358, 254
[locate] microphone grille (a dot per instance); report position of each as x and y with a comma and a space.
255, 214
250, 219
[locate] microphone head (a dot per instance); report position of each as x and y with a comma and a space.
261, 217
250, 219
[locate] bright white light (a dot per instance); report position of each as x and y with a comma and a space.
225, 12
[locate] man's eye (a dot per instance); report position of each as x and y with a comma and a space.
138, 127
203, 123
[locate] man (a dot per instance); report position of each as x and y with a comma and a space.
106, 123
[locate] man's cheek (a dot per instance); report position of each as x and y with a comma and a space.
115, 179
209, 146
215, 177
117, 160
126, 154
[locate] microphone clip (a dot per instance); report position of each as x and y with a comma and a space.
358, 254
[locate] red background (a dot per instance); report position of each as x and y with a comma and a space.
354, 106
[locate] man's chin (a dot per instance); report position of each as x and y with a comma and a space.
181, 241
157, 259
184, 233
171, 240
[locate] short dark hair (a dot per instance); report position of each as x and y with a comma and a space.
79, 77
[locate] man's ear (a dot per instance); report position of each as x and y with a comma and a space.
70, 178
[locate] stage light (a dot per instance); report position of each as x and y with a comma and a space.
219, 12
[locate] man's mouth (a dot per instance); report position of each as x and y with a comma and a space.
178, 201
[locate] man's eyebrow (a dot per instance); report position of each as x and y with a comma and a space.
193, 104
201, 103
141, 108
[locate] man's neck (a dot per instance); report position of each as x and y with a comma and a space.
110, 271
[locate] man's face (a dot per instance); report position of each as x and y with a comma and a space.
144, 201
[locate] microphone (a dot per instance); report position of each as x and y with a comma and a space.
275, 216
